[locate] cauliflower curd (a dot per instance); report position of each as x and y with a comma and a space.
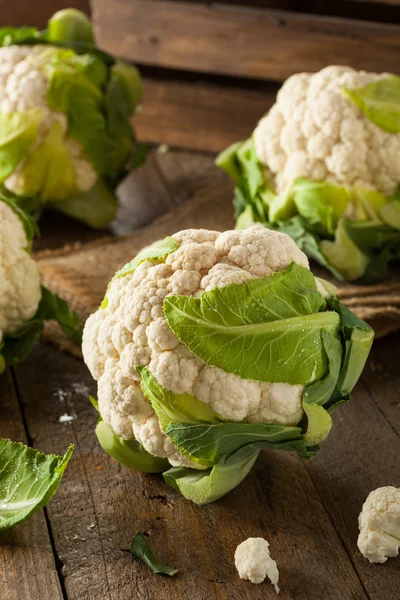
254, 563
132, 331
379, 523
314, 131
19, 275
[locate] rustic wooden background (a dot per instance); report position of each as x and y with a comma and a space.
210, 72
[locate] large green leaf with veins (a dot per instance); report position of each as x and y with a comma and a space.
209, 443
28, 480
268, 329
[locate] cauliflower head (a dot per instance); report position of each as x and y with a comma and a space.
133, 331
53, 97
322, 167
23, 87
314, 131
24, 304
379, 523
253, 562
20, 291
210, 346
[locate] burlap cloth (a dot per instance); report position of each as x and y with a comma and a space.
80, 273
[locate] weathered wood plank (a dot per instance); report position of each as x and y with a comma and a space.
27, 568
199, 116
101, 505
35, 13
383, 11
243, 42
391, 2
382, 379
361, 454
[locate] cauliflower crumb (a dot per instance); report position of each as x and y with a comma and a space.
379, 523
253, 562
66, 418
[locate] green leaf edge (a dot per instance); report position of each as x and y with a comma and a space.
140, 549
49, 493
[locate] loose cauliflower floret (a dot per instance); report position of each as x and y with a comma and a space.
253, 562
314, 131
19, 275
132, 331
379, 523
24, 86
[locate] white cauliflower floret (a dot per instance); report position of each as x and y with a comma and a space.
379, 523
253, 562
19, 275
314, 131
132, 331
23, 86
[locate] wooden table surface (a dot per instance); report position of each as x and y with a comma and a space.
77, 547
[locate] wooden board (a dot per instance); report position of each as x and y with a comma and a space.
244, 42
35, 13
199, 116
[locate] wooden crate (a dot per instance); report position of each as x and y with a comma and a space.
212, 70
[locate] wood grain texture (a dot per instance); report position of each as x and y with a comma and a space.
101, 505
382, 380
243, 42
27, 567
361, 454
35, 13
199, 116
